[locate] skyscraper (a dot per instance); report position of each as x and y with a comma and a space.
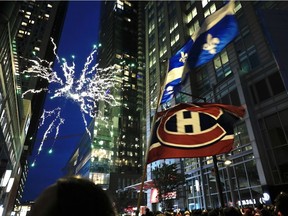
26, 28
116, 151
247, 72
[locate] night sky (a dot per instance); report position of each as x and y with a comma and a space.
79, 35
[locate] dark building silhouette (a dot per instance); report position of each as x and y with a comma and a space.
114, 158
250, 71
26, 28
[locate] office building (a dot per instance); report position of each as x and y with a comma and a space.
249, 72
114, 157
26, 28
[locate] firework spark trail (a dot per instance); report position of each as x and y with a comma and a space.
42, 68
93, 85
56, 123
33, 91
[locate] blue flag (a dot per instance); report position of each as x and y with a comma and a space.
213, 41
218, 30
175, 71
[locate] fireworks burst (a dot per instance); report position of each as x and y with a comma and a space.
86, 90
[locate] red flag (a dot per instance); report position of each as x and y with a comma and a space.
193, 130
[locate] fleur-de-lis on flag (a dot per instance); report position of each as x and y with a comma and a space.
211, 44
184, 57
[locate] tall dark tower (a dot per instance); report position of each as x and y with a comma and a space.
25, 31
121, 136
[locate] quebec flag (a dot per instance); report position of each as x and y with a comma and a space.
218, 30
175, 71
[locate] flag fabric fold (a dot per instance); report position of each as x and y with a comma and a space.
193, 130
175, 71
218, 30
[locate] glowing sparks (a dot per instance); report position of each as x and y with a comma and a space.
86, 89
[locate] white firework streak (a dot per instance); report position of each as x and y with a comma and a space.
93, 85
55, 124
33, 91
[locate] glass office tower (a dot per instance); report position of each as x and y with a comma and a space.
247, 73
115, 155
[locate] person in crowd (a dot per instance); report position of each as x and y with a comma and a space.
148, 212
159, 213
231, 211
186, 212
73, 196
281, 204
178, 213
214, 212
249, 211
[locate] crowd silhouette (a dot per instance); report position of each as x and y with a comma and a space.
278, 208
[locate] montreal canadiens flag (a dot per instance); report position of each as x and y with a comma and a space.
193, 130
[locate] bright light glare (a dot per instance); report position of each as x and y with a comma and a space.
84, 88
10, 184
6, 178
227, 162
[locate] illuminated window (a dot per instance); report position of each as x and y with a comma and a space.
24, 24
175, 39
222, 66
194, 27
238, 6
120, 4
163, 50
211, 10
204, 3
117, 66
49, 5
173, 26
191, 15
151, 27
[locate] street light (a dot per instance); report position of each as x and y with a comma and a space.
227, 162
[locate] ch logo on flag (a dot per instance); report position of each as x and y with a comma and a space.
191, 128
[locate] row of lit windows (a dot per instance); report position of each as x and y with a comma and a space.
191, 15
7, 135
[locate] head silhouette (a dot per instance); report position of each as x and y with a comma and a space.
73, 196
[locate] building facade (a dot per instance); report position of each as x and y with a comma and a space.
120, 40
26, 28
247, 73
114, 157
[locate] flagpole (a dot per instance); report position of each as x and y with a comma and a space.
150, 139
218, 182
216, 170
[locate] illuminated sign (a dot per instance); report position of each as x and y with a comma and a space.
246, 202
